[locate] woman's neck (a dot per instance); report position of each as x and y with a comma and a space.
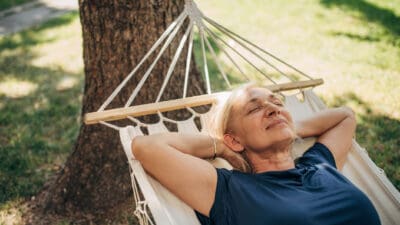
275, 158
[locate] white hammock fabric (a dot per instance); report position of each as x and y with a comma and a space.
166, 208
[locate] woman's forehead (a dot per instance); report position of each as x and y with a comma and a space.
259, 91
251, 94
254, 93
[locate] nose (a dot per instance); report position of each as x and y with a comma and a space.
272, 110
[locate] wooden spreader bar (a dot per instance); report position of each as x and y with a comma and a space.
151, 108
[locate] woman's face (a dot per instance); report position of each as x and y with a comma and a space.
260, 121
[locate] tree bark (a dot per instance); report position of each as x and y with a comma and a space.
116, 35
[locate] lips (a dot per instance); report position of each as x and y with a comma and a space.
275, 122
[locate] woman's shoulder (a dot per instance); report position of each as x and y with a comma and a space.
223, 175
317, 154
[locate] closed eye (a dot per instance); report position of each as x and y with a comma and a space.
255, 109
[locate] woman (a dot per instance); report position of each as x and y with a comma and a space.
255, 135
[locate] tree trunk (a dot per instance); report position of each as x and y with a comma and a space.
116, 35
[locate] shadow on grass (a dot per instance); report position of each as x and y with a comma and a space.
33, 37
37, 130
386, 18
378, 133
11, 3
356, 36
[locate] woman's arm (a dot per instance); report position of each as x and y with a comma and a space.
334, 128
175, 161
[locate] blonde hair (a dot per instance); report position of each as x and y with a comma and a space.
223, 112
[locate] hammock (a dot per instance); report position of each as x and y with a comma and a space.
154, 203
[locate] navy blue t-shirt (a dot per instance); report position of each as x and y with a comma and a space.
312, 193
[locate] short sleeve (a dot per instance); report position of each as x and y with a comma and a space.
317, 154
218, 210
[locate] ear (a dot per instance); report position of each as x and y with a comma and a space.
232, 142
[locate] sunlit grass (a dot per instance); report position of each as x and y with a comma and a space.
41, 75
17, 89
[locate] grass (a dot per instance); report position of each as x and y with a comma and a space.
353, 45
6, 4
40, 87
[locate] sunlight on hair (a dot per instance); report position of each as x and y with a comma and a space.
17, 89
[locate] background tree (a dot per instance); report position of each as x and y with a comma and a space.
116, 35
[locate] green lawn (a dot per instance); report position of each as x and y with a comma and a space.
41, 82
353, 45
6, 4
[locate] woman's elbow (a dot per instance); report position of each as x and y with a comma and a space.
349, 113
138, 146
350, 120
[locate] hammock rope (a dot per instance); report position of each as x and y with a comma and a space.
174, 61
217, 42
250, 50
233, 34
196, 19
216, 60
130, 75
110, 125
148, 72
243, 57
188, 61
205, 64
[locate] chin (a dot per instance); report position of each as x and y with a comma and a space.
288, 134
